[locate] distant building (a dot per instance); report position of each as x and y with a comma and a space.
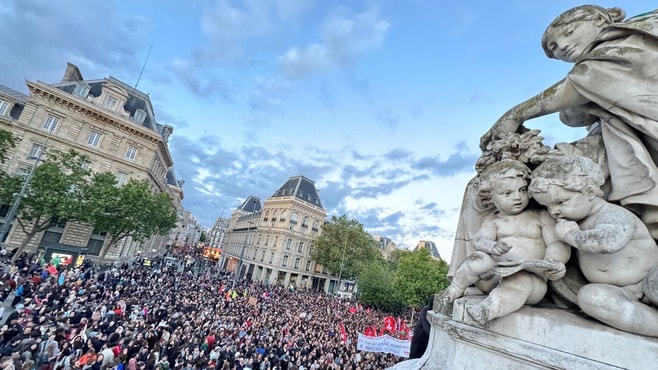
216, 235
275, 241
430, 246
386, 245
109, 121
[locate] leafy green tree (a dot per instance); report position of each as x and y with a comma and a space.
53, 194
344, 243
132, 210
418, 276
376, 287
203, 238
7, 143
9, 185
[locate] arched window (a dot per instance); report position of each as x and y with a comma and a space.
305, 221
293, 218
284, 215
315, 225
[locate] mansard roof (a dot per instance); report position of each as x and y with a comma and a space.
301, 188
136, 99
18, 98
251, 204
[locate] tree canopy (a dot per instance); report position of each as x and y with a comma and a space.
132, 210
344, 243
7, 143
52, 193
418, 276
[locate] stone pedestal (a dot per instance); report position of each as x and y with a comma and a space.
531, 338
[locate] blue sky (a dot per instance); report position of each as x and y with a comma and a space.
381, 103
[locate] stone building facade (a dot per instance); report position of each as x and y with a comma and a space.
274, 240
107, 120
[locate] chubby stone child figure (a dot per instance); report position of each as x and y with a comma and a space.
512, 233
616, 253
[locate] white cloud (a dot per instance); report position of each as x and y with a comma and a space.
342, 40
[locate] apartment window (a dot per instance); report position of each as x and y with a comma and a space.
297, 262
35, 151
311, 249
293, 218
315, 226
94, 138
284, 214
308, 265
300, 247
95, 244
51, 237
139, 116
110, 102
305, 221
3, 107
50, 123
285, 261
131, 153
122, 178
81, 90
288, 244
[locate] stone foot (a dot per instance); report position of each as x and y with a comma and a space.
479, 313
444, 300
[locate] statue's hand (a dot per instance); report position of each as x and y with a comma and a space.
564, 227
557, 270
505, 125
500, 248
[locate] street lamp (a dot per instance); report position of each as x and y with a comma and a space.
235, 275
17, 201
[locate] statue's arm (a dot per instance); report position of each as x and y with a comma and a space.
485, 240
556, 249
556, 98
607, 236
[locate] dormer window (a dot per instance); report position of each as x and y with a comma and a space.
139, 116
4, 107
110, 103
81, 90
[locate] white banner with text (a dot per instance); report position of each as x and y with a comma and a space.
385, 344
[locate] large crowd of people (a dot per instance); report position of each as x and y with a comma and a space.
158, 317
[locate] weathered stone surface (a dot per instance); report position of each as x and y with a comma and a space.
531, 338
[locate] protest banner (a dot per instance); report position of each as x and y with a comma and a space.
384, 344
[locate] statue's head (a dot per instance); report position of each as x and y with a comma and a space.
494, 178
568, 37
571, 172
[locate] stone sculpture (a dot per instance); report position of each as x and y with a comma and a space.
613, 90
602, 193
511, 234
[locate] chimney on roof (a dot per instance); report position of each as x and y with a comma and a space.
72, 73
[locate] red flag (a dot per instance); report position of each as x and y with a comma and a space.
343, 333
52, 270
404, 330
352, 309
370, 332
389, 324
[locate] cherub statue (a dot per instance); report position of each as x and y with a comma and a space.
616, 253
513, 236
